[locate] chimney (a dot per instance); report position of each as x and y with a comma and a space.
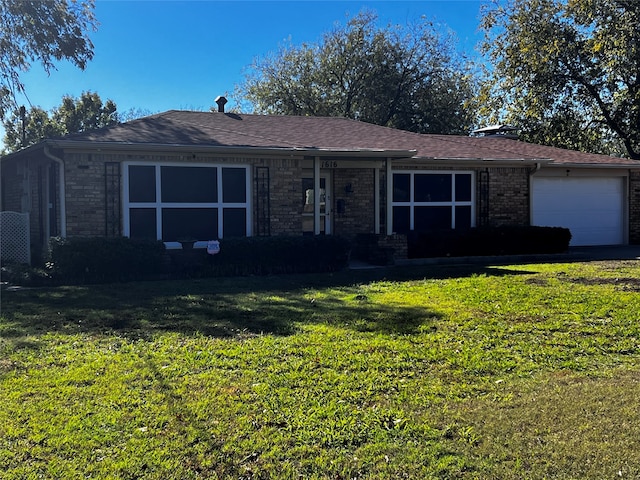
221, 101
500, 131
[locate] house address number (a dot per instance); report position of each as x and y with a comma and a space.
329, 164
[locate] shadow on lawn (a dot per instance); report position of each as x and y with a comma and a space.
222, 307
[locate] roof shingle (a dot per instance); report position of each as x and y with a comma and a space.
213, 129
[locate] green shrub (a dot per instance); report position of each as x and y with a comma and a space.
24, 275
97, 260
264, 256
506, 240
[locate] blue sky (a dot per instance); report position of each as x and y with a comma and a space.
161, 55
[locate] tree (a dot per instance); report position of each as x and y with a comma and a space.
74, 115
403, 77
568, 71
134, 113
84, 113
41, 31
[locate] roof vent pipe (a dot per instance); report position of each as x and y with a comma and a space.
221, 101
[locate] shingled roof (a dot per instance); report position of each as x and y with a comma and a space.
246, 131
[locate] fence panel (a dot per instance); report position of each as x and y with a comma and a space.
14, 237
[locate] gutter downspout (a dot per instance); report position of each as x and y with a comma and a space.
61, 192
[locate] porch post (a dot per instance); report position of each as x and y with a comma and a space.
316, 195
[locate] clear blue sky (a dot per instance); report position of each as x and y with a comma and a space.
161, 55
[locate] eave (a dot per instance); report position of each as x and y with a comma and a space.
299, 152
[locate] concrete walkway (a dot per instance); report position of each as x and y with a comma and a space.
574, 254
615, 252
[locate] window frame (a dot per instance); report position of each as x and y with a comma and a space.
159, 205
452, 204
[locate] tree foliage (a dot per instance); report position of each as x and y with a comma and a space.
404, 77
74, 115
41, 31
567, 71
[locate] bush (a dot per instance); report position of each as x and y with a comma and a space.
24, 275
265, 256
97, 260
507, 240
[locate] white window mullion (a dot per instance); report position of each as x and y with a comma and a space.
453, 200
158, 205
453, 216
473, 199
220, 203
411, 201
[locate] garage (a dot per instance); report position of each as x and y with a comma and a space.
591, 207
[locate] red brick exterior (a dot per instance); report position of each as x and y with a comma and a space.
502, 193
358, 214
634, 207
507, 196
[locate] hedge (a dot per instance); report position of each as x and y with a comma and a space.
98, 260
264, 256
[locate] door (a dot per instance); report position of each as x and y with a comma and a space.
591, 207
308, 196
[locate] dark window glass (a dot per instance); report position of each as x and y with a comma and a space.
191, 223
463, 218
429, 218
189, 184
142, 223
401, 219
401, 187
142, 183
463, 188
234, 222
434, 187
234, 185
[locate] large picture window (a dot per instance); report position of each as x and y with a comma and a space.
176, 202
423, 201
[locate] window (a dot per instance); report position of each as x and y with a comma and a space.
174, 202
432, 200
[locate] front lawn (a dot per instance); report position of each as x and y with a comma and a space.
485, 372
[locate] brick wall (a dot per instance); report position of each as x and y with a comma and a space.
359, 205
85, 190
397, 242
85, 194
508, 196
286, 196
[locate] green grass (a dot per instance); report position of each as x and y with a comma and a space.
490, 372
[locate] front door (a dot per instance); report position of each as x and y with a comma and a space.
307, 205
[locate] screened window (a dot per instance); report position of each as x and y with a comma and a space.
177, 202
425, 201
189, 184
142, 183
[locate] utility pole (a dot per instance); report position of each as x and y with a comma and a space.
23, 115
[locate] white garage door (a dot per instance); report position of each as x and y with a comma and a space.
592, 208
